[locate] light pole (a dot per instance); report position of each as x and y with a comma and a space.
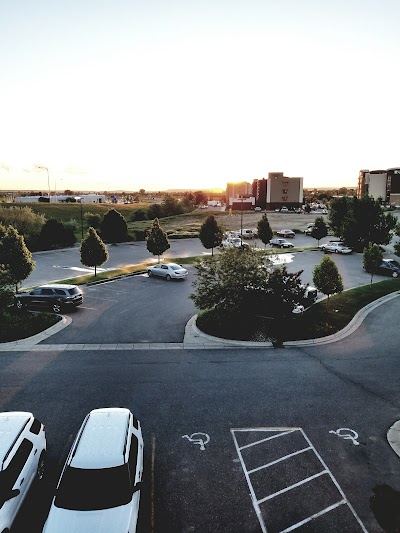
241, 220
48, 177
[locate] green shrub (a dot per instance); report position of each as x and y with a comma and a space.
22, 324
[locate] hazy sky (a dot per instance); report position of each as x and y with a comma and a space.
157, 94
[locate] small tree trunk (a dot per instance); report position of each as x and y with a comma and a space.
95, 270
158, 259
212, 252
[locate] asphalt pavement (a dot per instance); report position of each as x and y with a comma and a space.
235, 440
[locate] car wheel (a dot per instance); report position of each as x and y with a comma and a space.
168, 277
56, 308
395, 274
41, 466
336, 251
150, 273
19, 304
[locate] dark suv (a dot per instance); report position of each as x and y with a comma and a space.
53, 297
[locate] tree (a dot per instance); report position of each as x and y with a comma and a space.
264, 229
156, 240
25, 221
231, 283
210, 234
200, 197
17, 258
397, 244
6, 289
94, 252
154, 211
319, 230
141, 191
138, 214
93, 220
113, 227
361, 221
171, 206
326, 277
55, 234
372, 259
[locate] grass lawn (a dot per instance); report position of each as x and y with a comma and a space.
16, 325
319, 320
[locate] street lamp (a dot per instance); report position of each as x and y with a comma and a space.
48, 177
241, 220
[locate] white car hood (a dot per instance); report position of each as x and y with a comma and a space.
115, 520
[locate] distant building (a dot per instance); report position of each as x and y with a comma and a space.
62, 198
277, 191
383, 184
237, 190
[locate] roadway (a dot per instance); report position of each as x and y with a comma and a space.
258, 471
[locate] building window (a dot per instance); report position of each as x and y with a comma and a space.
284, 191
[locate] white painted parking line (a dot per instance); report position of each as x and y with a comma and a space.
306, 480
312, 517
254, 450
280, 459
264, 440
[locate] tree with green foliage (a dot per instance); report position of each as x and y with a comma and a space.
230, 283
264, 230
210, 234
93, 220
326, 277
156, 240
6, 289
138, 214
372, 259
170, 206
397, 244
154, 211
200, 198
25, 221
361, 221
319, 230
113, 227
94, 252
56, 234
17, 258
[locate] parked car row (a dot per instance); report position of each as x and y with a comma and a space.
99, 487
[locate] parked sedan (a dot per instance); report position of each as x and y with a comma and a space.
336, 247
390, 267
281, 243
52, 296
233, 242
168, 271
286, 233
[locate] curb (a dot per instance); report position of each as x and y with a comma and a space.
393, 437
193, 336
39, 337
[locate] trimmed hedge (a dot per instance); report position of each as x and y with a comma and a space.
16, 325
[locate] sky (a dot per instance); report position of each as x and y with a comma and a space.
161, 94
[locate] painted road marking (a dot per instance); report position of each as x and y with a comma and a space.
298, 501
198, 438
347, 433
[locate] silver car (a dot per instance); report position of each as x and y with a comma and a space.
336, 247
168, 271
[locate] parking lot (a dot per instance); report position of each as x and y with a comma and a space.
139, 309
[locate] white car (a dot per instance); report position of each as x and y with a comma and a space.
284, 209
286, 233
99, 487
336, 247
22, 457
233, 242
168, 271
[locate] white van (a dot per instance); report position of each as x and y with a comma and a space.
99, 487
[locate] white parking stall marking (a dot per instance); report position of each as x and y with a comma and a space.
280, 459
251, 448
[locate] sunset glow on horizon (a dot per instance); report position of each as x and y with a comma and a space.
189, 95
